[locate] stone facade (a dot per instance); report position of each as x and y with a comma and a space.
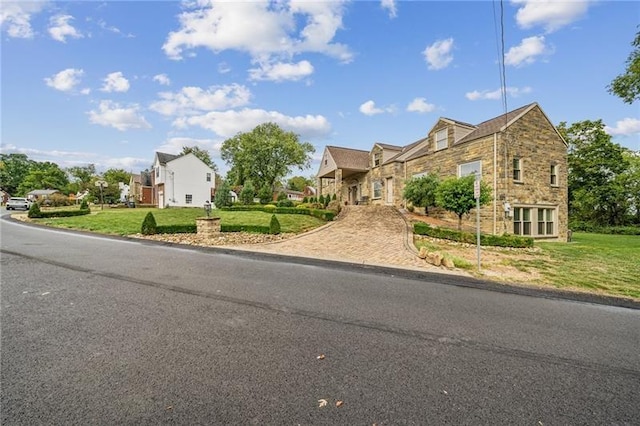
532, 200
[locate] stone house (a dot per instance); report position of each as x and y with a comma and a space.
520, 155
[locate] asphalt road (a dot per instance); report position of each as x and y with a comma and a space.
104, 331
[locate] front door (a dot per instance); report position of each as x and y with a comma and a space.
389, 185
353, 195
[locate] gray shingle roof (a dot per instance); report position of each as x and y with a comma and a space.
163, 158
493, 125
347, 158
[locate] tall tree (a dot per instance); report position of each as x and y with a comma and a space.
421, 191
202, 154
45, 175
14, 168
597, 189
299, 183
265, 154
82, 176
627, 85
456, 195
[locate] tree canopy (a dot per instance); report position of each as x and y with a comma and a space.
299, 183
202, 154
456, 195
14, 168
44, 175
421, 191
264, 155
627, 85
599, 187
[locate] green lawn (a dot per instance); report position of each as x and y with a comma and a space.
128, 221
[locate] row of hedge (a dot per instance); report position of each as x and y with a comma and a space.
327, 215
422, 228
596, 229
36, 213
149, 227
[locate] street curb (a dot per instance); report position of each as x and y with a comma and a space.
431, 277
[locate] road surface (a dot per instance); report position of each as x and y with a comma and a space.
106, 330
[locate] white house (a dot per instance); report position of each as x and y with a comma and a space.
181, 180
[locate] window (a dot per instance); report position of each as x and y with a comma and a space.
157, 171
377, 190
545, 221
517, 169
522, 221
441, 139
554, 175
188, 198
377, 159
471, 168
208, 177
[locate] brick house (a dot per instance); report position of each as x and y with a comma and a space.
520, 155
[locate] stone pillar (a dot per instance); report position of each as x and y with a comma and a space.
318, 186
208, 226
339, 188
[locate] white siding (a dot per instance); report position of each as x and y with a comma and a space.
187, 175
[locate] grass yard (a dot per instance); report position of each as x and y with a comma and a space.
606, 264
129, 221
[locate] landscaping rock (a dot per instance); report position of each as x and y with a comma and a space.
448, 263
435, 259
423, 253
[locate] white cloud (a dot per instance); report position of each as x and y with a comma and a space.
550, 14
439, 55
60, 28
15, 17
162, 79
190, 100
132, 164
420, 105
227, 123
65, 80
514, 92
370, 108
390, 5
115, 82
111, 114
527, 52
174, 145
219, 26
281, 71
625, 127
223, 68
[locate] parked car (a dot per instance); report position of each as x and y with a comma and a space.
16, 203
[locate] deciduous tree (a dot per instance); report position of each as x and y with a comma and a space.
13, 170
421, 191
45, 175
265, 154
627, 85
456, 195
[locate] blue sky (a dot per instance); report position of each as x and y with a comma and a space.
110, 83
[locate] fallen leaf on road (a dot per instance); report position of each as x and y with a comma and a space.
169, 407
445, 392
322, 403
339, 403
321, 356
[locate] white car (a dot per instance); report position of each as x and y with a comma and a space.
16, 203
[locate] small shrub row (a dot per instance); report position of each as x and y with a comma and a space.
256, 229
421, 228
184, 228
36, 213
595, 229
270, 208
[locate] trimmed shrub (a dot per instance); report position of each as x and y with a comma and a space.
334, 198
506, 240
274, 225
184, 228
334, 206
596, 229
305, 200
34, 211
281, 196
84, 205
149, 226
321, 199
256, 229
265, 195
285, 203
248, 193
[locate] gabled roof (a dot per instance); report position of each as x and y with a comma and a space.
401, 156
348, 158
164, 158
42, 192
496, 124
389, 147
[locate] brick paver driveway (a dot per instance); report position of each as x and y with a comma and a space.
372, 235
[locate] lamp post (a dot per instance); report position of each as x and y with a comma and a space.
207, 208
102, 184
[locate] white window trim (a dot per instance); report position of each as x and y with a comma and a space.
521, 169
446, 139
373, 188
534, 220
556, 168
470, 162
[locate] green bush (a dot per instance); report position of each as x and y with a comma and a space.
596, 229
281, 196
274, 225
285, 203
305, 200
34, 211
256, 229
248, 193
149, 226
84, 205
270, 208
265, 194
321, 199
185, 228
334, 198
334, 206
506, 240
